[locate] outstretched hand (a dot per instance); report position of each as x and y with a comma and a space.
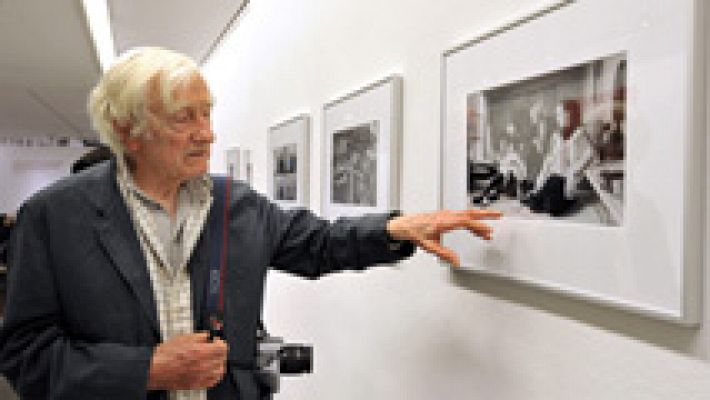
425, 229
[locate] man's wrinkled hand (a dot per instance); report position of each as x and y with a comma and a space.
188, 361
425, 229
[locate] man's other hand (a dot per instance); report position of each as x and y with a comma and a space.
425, 229
189, 361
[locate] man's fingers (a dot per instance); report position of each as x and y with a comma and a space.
480, 229
449, 224
462, 221
184, 339
216, 350
442, 252
484, 213
220, 346
199, 336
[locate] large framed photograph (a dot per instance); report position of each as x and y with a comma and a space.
551, 147
590, 143
288, 164
362, 137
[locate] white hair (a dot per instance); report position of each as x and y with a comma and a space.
120, 97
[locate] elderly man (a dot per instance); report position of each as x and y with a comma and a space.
108, 268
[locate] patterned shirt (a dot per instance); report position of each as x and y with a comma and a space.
167, 244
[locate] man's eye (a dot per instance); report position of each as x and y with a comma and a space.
181, 116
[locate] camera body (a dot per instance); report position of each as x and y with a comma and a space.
275, 358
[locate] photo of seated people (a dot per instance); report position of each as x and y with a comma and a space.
552, 147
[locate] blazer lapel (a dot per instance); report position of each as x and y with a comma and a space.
199, 271
117, 236
128, 259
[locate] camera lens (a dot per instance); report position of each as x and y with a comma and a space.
296, 359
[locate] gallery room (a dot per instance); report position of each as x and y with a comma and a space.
339, 199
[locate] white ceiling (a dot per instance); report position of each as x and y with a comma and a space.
48, 63
189, 26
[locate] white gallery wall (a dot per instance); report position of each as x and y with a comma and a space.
420, 331
24, 170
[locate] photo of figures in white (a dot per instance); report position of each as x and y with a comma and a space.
285, 164
355, 165
552, 147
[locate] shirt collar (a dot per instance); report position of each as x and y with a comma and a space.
198, 189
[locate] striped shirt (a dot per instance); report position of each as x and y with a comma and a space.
167, 244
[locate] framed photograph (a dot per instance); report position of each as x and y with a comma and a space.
591, 143
247, 167
288, 164
361, 150
239, 164
232, 157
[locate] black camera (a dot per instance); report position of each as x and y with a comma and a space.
275, 358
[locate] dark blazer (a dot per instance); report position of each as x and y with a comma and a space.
81, 319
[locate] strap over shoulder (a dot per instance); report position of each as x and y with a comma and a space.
221, 191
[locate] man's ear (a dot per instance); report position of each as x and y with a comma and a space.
130, 143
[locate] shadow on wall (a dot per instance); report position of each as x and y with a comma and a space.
664, 334
681, 339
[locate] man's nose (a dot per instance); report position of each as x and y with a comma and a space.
204, 132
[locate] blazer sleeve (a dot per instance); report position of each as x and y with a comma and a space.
309, 246
40, 359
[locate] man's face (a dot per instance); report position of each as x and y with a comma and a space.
178, 144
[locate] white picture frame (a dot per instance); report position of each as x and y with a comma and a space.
362, 133
650, 261
288, 163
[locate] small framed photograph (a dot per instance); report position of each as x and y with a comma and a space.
591, 143
239, 164
288, 163
247, 167
232, 157
361, 150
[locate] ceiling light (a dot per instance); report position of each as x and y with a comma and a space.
99, 22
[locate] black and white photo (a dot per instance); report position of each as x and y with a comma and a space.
355, 165
232, 158
552, 146
285, 166
248, 167
362, 150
